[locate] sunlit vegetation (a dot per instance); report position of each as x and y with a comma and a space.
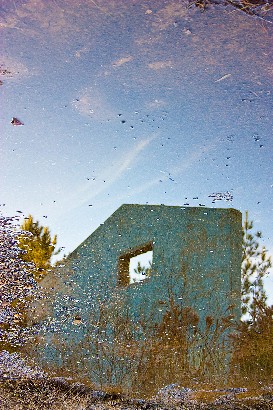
253, 344
255, 266
252, 362
142, 356
39, 246
25, 257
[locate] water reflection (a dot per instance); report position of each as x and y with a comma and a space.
136, 102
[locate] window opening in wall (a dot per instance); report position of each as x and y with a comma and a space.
135, 265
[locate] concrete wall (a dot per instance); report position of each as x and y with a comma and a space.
196, 263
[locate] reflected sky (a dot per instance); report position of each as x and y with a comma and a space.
134, 102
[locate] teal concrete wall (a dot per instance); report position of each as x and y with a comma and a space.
196, 262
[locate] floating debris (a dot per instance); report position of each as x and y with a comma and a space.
15, 121
77, 320
230, 138
223, 78
187, 31
256, 137
219, 196
4, 71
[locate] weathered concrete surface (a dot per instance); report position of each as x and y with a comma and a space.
196, 263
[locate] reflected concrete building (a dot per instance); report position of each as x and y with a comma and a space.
196, 263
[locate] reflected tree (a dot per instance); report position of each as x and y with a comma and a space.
255, 266
143, 270
39, 246
16, 282
253, 348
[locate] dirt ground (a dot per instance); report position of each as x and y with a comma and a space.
60, 395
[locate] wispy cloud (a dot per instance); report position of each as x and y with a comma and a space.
122, 61
91, 102
155, 104
86, 193
159, 65
173, 171
82, 50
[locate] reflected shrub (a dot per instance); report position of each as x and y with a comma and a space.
253, 351
142, 356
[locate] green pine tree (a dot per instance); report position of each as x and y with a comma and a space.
255, 266
143, 270
39, 246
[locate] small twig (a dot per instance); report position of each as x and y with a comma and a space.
247, 9
100, 8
